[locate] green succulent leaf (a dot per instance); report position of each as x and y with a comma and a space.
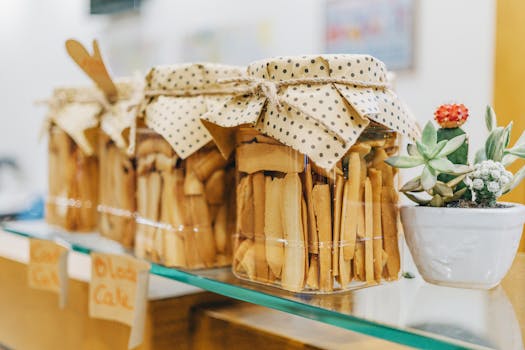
412, 150
452, 145
429, 135
413, 185
456, 181
518, 151
443, 165
480, 156
404, 161
416, 199
457, 195
494, 145
423, 150
437, 148
460, 169
490, 118
516, 179
508, 158
428, 178
443, 190
437, 201
506, 135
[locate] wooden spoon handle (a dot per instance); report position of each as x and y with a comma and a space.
93, 66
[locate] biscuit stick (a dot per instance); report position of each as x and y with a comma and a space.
322, 208
293, 273
369, 228
351, 211
376, 182
273, 228
261, 267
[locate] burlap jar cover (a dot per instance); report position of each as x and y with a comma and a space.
184, 184
117, 204
72, 121
319, 106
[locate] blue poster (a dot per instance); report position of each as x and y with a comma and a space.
381, 28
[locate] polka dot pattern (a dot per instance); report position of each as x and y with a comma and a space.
71, 112
324, 106
177, 119
320, 120
236, 111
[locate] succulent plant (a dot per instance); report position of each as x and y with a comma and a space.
440, 194
495, 148
451, 117
433, 156
445, 152
488, 181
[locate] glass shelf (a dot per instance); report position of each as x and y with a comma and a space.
410, 311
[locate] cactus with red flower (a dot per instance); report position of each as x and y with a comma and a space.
451, 117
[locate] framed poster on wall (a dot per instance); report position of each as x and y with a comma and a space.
382, 28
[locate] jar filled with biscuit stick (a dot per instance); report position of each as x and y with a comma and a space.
72, 126
117, 202
316, 204
185, 187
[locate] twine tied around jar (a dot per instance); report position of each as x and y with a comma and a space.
266, 88
242, 86
270, 89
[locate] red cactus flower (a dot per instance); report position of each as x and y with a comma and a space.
451, 116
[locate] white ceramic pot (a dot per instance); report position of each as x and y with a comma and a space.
467, 248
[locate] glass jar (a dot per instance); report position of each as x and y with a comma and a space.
185, 208
117, 203
305, 229
72, 183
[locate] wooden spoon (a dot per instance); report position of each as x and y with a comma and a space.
93, 66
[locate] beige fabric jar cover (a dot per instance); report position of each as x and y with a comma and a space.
185, 187
118, 120
76, 110
318, 105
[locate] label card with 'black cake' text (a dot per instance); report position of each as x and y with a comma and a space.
118, 291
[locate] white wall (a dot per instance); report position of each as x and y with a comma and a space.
454, 52
454, 61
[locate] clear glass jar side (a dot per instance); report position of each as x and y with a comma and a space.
305, 229
72, 183
184, 206
117, 193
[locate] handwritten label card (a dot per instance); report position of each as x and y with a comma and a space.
118, 292
47, 269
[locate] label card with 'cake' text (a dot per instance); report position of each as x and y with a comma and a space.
47, 268
118, 291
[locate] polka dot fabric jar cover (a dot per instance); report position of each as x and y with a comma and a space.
326, 102
185, 199
179, 95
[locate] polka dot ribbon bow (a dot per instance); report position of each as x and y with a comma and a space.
318, 105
